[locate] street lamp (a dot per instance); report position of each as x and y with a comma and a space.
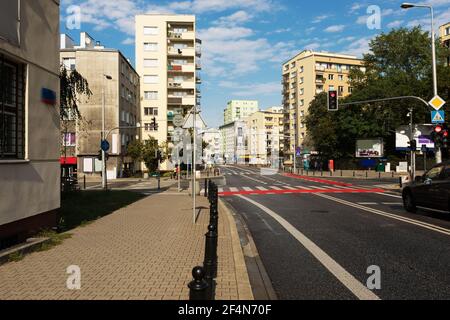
408, 5
107, 77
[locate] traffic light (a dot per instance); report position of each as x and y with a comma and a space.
412, 145
333, 103
154, 124
437, 135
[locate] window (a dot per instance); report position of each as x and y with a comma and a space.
331, 77
150, 63
434, 174
447, 31
302, 91
301, 69
150, 46
331, 88
69, 139
150, 31
69, 63
180, 30
150, 111
12, 90
341, 77
151, 95
350, 89
149, 127
341, 89
151, 79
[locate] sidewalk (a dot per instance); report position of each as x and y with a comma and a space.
144, 251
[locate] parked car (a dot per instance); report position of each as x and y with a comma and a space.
430, 191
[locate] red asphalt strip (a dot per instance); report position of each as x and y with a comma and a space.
260, 192
331, 182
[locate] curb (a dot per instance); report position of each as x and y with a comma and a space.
259, 281
242, 277
22, 249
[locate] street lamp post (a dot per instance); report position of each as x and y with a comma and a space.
407, 5
103, 131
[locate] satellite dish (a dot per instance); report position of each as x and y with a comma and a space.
88, 40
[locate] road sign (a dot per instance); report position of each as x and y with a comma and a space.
178, 120
104, 145
424, 148
437, 102
437, 116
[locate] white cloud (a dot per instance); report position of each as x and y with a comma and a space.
395, 24
237, 18
252, 91
359, 47
128, 41
335, 28
321, 18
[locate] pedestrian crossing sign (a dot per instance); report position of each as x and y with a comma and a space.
437, 102
437, 117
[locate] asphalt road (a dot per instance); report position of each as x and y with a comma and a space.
317, 239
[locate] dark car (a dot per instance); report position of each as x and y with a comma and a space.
430, 191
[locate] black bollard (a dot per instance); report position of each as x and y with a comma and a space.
198, 288
206, 188
210, 262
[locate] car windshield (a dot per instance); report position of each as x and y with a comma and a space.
434, 173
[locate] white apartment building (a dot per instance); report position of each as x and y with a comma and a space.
212, 152
29, 118
234, 144
239, 110
265, 136
168, 63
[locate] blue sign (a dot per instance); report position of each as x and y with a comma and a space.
298, 152
48, 96
104, 145
438, 116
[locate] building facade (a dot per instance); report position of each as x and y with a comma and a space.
265, 136
212, 152
234, 144
168, 63
239, 110
444, 35
29, 118
303, 77
111, 79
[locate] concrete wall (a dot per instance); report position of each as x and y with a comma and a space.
31, 186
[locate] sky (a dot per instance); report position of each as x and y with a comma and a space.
245, 42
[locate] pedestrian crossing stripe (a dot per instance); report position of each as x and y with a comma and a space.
274, 190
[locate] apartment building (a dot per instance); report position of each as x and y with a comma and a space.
29, 118
239, 110
112, 79
234, 144
303, 77
168, 63
444, 35
265, 136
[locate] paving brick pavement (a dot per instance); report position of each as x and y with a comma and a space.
145, 251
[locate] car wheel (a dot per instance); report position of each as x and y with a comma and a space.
408, 202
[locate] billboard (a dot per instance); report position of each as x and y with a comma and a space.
370, 148
422, 134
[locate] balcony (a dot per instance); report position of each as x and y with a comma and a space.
320, 80
185, 52
186, 100
180, 36
181, 68
187, 84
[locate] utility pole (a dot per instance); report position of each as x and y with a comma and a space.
104, 186
411, 139
194, 164
438, 150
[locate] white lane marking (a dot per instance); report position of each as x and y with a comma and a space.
392, 203
356, 287
319, 188
220, 190
256, 180
92, 187
389, 215
247, 189
288, 187
368, 203
234, 190
389, 195
261, 188
275, 188
302, 187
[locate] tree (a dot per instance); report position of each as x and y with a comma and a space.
146, 151
134, 150
72, 86
398, 64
